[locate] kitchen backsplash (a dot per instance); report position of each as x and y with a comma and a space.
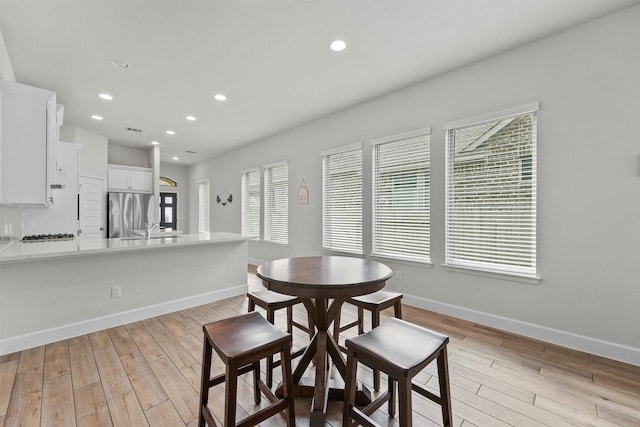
10, 223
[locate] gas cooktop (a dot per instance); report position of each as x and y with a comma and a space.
48, 237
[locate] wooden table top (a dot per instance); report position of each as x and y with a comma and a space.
324, 276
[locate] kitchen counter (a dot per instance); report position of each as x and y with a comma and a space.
54, 290
31, 251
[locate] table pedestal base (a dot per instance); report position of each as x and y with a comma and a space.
306, 386
336, 391
323, 283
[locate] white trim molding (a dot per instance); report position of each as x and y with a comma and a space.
584, 343
488, 117
35, 339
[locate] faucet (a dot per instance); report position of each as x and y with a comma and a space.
147, 235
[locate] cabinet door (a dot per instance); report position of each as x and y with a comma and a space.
141, 181
118, 180
24, 150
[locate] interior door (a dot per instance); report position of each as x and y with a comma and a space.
91, 207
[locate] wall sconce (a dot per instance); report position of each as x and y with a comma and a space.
224, 198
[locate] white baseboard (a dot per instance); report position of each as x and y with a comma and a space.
566, 339
35, 339
256, 262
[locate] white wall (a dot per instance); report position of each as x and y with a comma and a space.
586, 80
94, 152
128, 156
6, 69
180, 175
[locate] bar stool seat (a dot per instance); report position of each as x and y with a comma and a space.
401, 350
271, 302
374, 302
241, 342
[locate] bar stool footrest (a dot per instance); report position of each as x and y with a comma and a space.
373, 406
426, 393
263, 414
362, 418
348, 326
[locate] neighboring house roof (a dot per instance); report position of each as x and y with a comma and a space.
473, 137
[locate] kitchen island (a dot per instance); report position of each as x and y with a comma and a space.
56, 290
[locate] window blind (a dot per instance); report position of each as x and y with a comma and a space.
276, 203
401, 196
342, 199
251, 203
491, 194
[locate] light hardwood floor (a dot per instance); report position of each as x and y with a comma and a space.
148, 373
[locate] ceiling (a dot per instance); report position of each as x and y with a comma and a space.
271, 58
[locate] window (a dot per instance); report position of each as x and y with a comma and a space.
401, 196
204, 205
165, 181
169, 211
491, 192
276, 203
342, 199
251, 203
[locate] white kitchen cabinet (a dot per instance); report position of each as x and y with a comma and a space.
28, 144
130, 179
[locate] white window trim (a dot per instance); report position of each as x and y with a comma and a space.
331, 151
264, 202
400, 136
242, 173
342, 149
502, 275
507, 113
489, 117
383, 140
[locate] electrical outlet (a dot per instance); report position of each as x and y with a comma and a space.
116, 291
398, 274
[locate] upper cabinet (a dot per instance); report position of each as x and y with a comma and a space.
28, 144
130, 179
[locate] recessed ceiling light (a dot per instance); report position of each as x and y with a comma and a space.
191, 118
220, 97
120, 64
106, 96
170, 132
96, 117
176, 158
155, 143
338, 45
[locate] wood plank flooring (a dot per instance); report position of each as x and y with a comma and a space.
148, 373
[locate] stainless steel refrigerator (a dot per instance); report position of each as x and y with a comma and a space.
127, 212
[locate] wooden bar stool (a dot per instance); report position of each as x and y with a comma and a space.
375, 303
401, 350
271, 302
241, 342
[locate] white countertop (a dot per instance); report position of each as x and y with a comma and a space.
31, 251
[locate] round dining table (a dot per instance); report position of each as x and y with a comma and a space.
323, 283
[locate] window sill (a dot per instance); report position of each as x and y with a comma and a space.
512, 277
269, 242
423, 264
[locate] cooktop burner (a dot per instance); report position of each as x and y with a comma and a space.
48, 237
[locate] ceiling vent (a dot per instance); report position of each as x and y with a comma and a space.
132, 129
190, 152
